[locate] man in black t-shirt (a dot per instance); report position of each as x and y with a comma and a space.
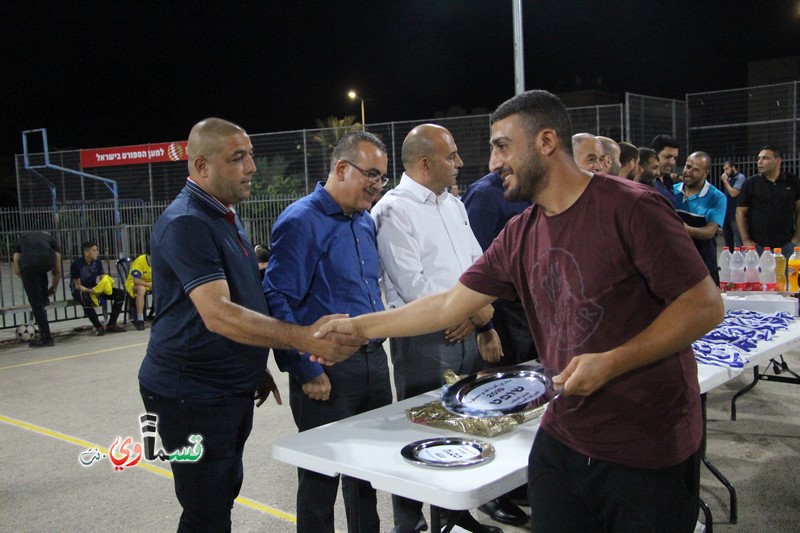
35, 254
769, 206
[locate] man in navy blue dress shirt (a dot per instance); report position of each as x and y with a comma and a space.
207, 355
324, 260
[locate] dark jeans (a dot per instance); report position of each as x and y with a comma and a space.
514, 332
205, 489
569, 492
730, 232
358, 385
117, 298
34, 281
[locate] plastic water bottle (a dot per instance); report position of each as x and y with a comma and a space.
724, 264
794, 269
737, 270
751, 274
768, 279
780, 270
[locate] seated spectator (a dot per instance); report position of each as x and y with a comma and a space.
85, 273
138, 284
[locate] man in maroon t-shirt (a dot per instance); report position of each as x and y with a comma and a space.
618, 449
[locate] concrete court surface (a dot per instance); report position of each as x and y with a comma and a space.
55, 403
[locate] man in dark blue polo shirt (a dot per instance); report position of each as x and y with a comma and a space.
768, 211
324, 259
207, 355
701, 206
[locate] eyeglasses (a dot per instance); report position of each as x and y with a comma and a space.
374, 176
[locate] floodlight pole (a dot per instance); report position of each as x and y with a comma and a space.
519, 49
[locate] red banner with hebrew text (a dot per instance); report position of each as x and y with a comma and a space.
134, 155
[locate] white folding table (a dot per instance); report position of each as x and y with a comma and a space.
367, 447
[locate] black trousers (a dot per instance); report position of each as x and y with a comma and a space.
358, 385
35, 283
117, 298
206, 488
570, 492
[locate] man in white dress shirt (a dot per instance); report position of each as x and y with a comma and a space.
425, 243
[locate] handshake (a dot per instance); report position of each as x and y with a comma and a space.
334, 339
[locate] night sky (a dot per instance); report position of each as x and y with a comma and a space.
102, 74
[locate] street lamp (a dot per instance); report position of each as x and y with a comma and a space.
353, 96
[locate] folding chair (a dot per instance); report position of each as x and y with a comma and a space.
123, 269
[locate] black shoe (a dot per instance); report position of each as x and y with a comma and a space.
502, 510
100, 331
139, 324
468, 522
113, 328
41, 343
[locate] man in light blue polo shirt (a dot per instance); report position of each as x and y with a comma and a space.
701, 206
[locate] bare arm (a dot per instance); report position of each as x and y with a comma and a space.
426, 315
231, 320
15, 263
796, 237
708, 231
56, 275
691, 315
733, 192
741, 223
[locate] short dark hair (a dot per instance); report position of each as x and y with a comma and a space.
262, 253
347, 146
646, 154
538, 110
774, 149
627, 153
729, 162
663, 140
86, 245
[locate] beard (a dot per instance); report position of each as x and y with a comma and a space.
531, 178
648, 178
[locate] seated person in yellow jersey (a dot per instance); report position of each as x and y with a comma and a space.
138, 284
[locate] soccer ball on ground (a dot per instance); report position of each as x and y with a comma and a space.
25, 332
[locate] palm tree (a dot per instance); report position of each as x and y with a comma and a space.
331, 130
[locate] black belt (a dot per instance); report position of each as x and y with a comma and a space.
370, 347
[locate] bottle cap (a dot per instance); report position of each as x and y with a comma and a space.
767, 249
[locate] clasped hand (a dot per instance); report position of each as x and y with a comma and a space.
335, 326
584, 374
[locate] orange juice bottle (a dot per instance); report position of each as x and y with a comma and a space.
794, 269
780, 271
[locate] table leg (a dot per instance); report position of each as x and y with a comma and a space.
436, 519
354, 511
734, 514
707, 514
756, 377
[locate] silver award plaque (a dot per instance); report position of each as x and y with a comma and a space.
447, 452
500, 391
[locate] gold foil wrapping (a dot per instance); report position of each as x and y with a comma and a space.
434, 415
